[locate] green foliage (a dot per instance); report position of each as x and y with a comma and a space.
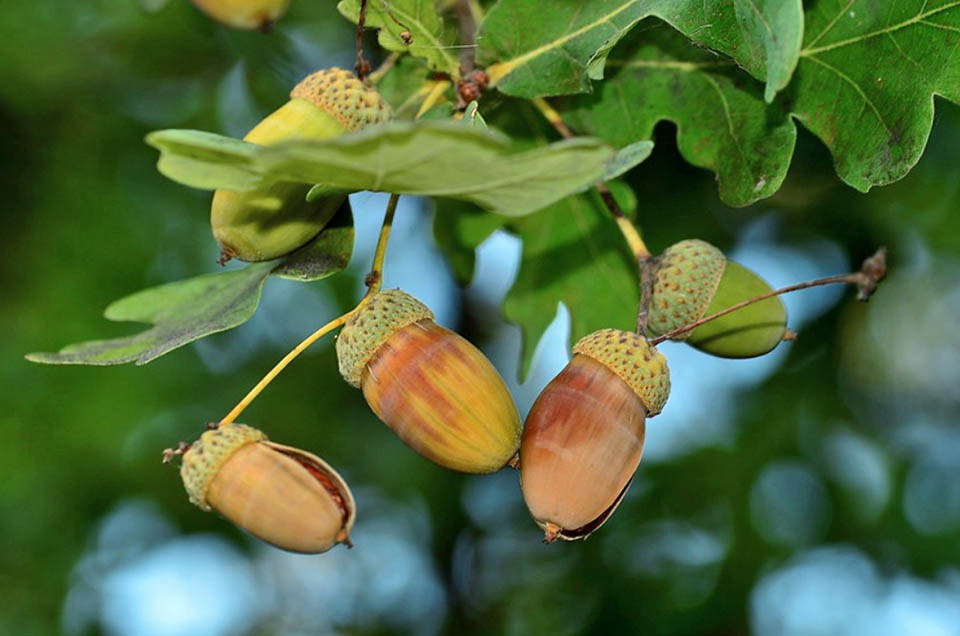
535, 52
432, 158
191, 309
571, 254
722, 121
430, 37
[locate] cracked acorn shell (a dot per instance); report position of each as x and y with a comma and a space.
584, 435
244, 14
276, 219
694, 279
434, 389
285, 496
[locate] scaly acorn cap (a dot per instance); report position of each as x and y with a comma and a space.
205, 457
631, 357
346, 98
383, 315
685, 282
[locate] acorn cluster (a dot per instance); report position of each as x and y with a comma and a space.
581, 443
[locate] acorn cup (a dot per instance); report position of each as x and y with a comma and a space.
244, 14
434, 389
287, 497
693, 279
276, 219
583, 437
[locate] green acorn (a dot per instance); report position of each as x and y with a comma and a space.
275, 220
693, 279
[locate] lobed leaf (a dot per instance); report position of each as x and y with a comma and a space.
534, 50
430, 38
722, 121
429, 158
190, 309
866, 79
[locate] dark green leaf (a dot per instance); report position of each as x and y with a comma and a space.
534, 50
435, 158
866, 80
722, 121
431, 40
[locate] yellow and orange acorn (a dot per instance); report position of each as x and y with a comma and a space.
693, 279
274, 220
286, 496
583, 437
434, 389
244, 14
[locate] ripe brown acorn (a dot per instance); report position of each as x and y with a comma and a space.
584, 435
285, 496
434, 389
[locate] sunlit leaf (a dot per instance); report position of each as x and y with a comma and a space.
430, 158
429, 37
534, 49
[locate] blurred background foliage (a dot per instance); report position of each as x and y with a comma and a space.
815, 490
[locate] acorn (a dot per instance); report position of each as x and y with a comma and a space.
285, 496
276, 219
244, 14
434, 389
693, 279
583, 437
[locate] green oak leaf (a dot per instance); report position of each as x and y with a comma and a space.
534, 50
722, 121
181, 312
190, 309
430, 39
403, 84
866, 79
429, 158
572, 253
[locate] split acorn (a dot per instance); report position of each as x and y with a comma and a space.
276, 219
433, 388
283, 495
244, 14
693, 279
584, 436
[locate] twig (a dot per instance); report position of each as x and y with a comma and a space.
384, 68
363, 66
630, 234
647, 267
373, 281
468, 30
872, 272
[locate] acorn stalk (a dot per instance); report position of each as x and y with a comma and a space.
435, 390
276, 219
584, 436
285, 496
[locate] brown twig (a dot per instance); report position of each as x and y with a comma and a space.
872, 272
647, 267
363, 66
468, 30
